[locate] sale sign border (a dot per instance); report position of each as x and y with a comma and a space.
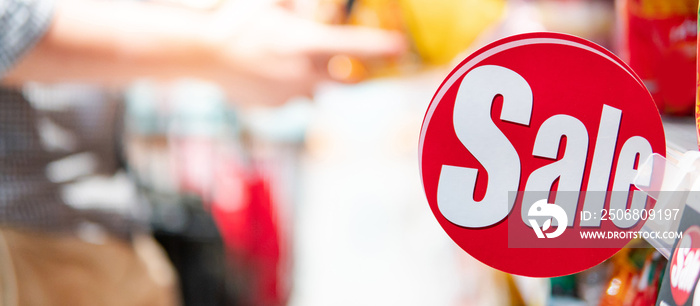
586, 258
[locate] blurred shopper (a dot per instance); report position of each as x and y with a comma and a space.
58, 154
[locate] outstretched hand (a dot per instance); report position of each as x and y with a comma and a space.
271, 54
260, 53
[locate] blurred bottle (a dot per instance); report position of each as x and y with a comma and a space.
440, 30
147, 118
436, 30
564, 285
199, 121
516, 298
697, 84
658, 39
564, 292
649, 282
630, 277
591, 283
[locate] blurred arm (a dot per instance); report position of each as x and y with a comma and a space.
260, 54
110, 42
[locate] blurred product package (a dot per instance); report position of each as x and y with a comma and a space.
658, 39
697, 95
436, 31
590, 19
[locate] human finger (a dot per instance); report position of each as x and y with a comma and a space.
356, 41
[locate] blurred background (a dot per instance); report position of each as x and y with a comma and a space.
319, 201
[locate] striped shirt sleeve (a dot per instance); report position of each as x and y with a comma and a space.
22, 24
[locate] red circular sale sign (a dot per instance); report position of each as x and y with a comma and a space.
685, 265
530, 150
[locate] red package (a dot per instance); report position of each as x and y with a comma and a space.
658, 39
244, 210
697, 95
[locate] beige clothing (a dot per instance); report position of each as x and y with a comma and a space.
39, 268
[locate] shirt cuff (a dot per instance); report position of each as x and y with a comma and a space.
23, 23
